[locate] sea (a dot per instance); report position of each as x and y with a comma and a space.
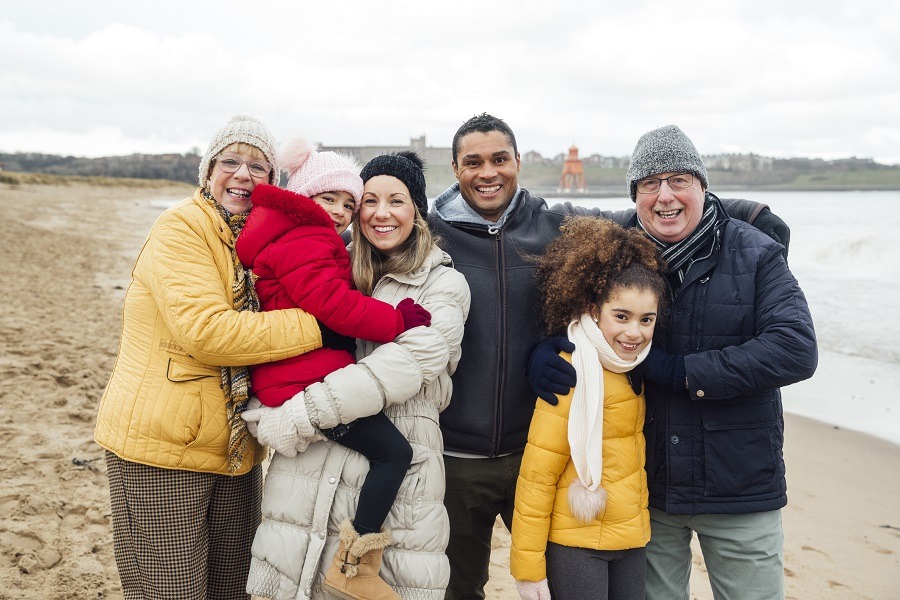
846, 256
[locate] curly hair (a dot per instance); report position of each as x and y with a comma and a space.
591, 259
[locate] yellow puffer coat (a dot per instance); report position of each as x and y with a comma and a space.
542, 500
163, 405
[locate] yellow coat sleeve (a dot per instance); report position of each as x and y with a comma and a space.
545, 458
183, 266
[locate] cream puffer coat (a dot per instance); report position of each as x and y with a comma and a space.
306, 497
164, 405
542, 509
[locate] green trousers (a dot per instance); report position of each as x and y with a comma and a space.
744, 555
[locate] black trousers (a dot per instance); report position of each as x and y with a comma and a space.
478, 490
389, 455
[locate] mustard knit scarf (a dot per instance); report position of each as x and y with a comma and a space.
236, 380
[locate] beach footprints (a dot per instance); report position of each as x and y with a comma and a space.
28, 550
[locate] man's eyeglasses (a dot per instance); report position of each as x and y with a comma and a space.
256, 166
679, 181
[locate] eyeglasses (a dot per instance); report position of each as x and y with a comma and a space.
679, 181
256, 166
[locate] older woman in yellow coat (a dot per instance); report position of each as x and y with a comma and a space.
581, 522
184, 474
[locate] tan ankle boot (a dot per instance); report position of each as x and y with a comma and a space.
353, 574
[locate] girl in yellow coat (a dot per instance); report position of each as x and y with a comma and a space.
581, 521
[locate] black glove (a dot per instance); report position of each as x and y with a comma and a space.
773, 226
663, 368
760, 216
548, 372
336, 341
636, 380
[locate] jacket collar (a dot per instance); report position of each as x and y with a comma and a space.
452, 208
219, 225
435, 258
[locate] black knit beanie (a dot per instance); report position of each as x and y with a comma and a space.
406, 166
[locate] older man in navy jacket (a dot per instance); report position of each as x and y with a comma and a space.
737, 328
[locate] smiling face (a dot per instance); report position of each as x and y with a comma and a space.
232, 190
627, 320
339, 206
387, 214
668, 214
487, 168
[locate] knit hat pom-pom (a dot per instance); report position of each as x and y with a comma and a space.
415, 158
586, 504
293, 154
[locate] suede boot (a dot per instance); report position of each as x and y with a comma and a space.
353, 574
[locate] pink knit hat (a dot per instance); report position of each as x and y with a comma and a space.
311, 172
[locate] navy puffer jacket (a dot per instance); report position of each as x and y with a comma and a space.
743, 324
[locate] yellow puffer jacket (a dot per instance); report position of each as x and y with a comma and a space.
163, 405
542, 500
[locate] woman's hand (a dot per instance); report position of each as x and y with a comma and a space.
286, 429
412, 315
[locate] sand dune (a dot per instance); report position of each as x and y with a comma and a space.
65, 256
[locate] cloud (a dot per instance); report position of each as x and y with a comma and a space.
802, 78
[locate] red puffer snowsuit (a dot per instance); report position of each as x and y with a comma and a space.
300, 262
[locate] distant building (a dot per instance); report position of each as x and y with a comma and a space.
738, 162
607, 162
433, 155
533, 157
430, 154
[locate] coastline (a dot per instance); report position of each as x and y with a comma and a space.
68, 252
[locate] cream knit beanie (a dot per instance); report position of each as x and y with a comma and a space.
248, 130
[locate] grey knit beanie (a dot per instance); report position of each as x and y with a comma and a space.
248, 130
408, 167
664, 150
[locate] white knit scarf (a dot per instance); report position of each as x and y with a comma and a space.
592, 354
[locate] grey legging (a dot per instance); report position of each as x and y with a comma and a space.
576, 573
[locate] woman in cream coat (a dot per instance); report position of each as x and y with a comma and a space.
310, 494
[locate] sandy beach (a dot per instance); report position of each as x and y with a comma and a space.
65, 257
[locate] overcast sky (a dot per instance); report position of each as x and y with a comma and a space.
783, 78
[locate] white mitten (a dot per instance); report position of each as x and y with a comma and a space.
533, 590
298, 414
252, 405
286, 429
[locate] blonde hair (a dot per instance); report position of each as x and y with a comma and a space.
370, 264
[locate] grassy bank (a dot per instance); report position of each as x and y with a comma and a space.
545, 179
13, 178
611, 182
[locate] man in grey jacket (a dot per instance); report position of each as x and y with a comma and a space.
490, 227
